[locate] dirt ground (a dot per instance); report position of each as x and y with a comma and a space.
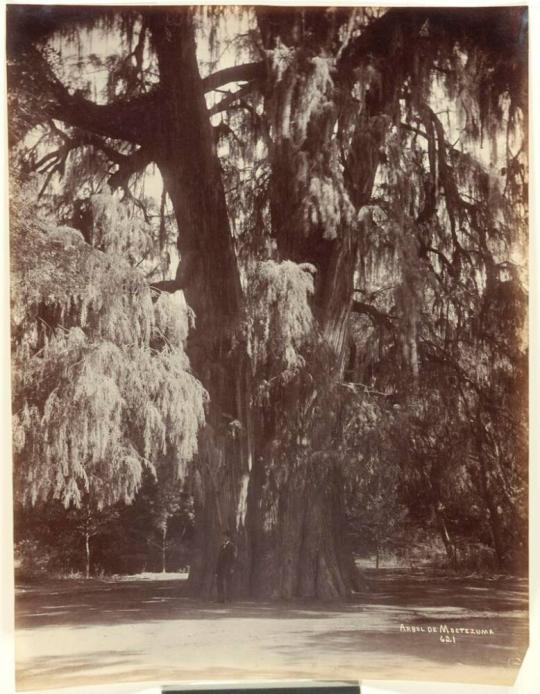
403, 625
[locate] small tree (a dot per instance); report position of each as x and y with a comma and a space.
170, 503
89, 522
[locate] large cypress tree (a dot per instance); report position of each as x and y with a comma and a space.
343, 179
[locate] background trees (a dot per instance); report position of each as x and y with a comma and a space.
349, 190
118, 539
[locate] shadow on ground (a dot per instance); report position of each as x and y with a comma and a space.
106, 602
77, 631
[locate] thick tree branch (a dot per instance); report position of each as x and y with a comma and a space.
129, 164
230, 99
378, 317
237, 73
187, 268
33, 80
187, 148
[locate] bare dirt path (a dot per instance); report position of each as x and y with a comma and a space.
403, 625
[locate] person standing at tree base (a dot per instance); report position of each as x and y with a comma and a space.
225, 568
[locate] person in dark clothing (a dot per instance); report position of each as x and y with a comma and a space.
225, 568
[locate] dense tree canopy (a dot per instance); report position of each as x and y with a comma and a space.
280, 253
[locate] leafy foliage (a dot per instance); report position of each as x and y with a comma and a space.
103, 386
280, 318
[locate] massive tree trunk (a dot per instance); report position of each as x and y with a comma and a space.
282, 500
295, 512
184, 148
290, 532
298, 528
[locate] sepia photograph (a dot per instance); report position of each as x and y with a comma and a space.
269, 342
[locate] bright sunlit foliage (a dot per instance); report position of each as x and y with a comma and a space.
102, 386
